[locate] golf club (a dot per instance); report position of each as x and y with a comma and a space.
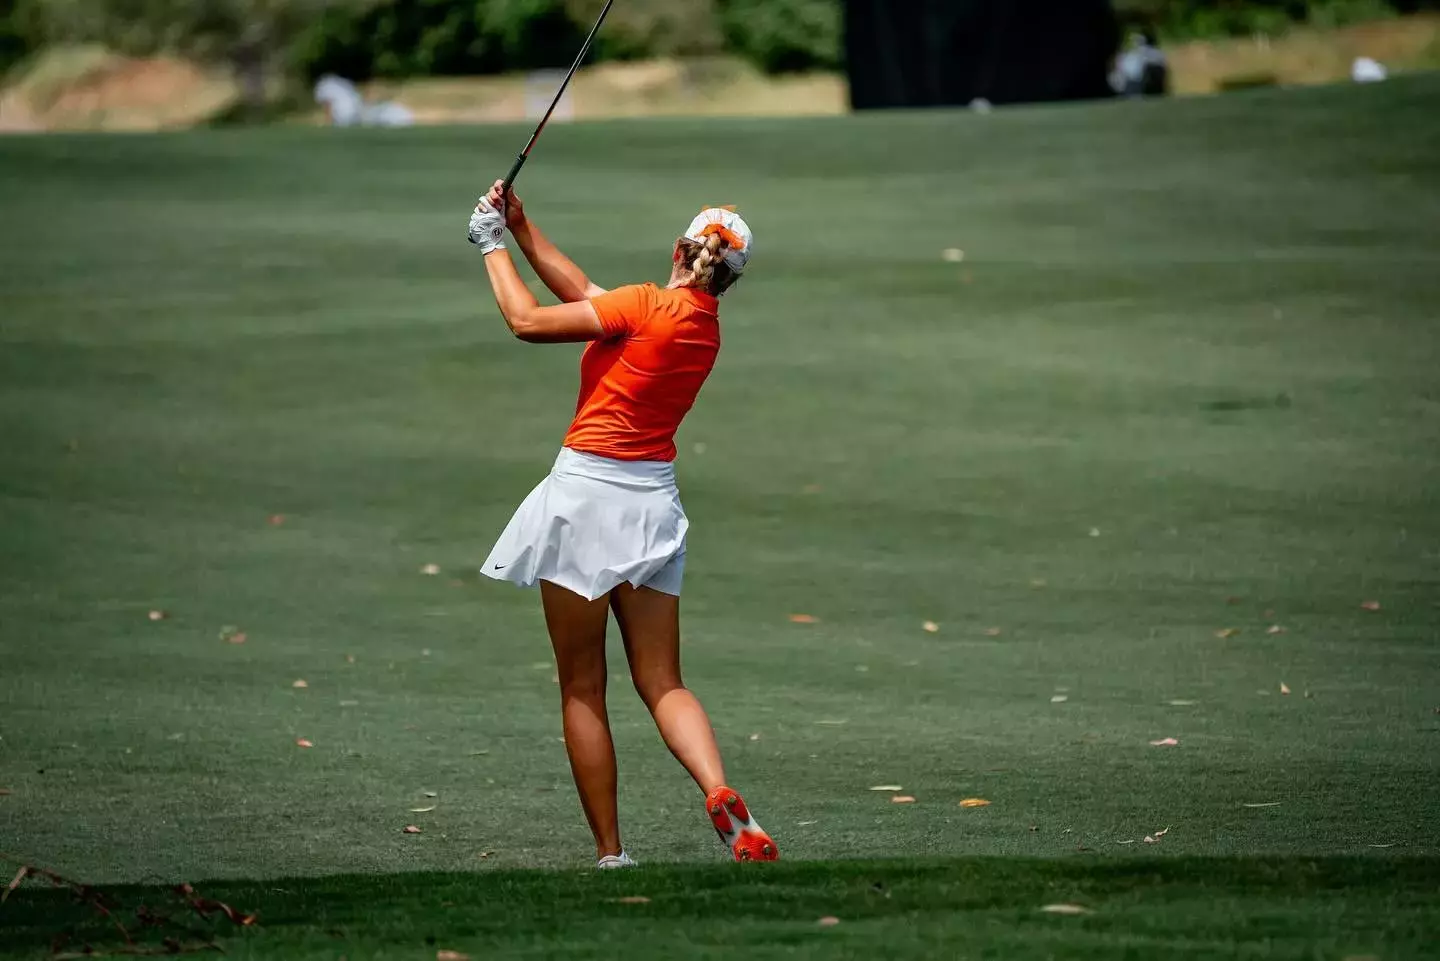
579, 58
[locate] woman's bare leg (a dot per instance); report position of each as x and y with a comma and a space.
577, 633
650, 625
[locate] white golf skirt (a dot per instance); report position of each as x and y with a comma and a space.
594, 524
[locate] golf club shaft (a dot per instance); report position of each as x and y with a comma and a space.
579, 58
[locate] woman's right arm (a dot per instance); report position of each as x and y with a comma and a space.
556, 271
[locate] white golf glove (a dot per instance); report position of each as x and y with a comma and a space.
487, 227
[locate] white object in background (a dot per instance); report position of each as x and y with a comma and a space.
347, 107
540, 87
1366, 70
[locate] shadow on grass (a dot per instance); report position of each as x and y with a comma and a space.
1195, 907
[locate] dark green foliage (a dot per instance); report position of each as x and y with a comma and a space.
784, 35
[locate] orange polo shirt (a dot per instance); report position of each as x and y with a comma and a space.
640, 380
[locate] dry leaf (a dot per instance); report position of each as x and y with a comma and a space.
887, 787
1128, 841
1390, 844
1164, 742
755, 737
1227, 632
4, 791
232, 634
1274, 629
158, 615
1038, 582
424, 652
423, 810
349, 658
1180, 703
804, 619
1371, 605
485, 854
992, 632
832, 723
829, 921
1094, 532
931, 627
1150, 840
1262, 804
300, 684
633, 899
451, 956
1065, 909
1059, 698
1161, 834
952, 255
432, 793
805, 824
902, 799
236, 638
974, 802
276, 520
411, 829
304, 742
431, 569
1284, 688
15, 882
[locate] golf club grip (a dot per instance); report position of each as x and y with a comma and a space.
514, 172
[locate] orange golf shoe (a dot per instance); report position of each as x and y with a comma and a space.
738, 831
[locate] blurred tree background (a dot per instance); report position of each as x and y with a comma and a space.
362, 39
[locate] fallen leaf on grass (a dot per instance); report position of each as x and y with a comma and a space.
1038, 582
304, 742
276, 520
158, 615
1129, 841
1371, 605
833, 723
953, 255
484, 855
4, 791
232, 634
423, 810
1094, 532
430, 793
1164, 742
1059, 698
1390, 844
902, 799
411, 829
349, 658
804, 619
300, 684
1227, 632
1274, 629
829, 921
755, 737
887, 787
20, 875
1065, 909
1262, 804
974, 802
1179, 703
451, 956
993, 632
633, 899
930, 627
1284, 688
805, 824
430, 569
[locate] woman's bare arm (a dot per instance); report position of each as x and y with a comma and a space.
563, 323
556, 271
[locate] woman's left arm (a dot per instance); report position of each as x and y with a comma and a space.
565, 323
561, 324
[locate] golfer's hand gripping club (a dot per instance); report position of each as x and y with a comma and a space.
487, 226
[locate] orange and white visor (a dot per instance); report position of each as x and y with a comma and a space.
731, 228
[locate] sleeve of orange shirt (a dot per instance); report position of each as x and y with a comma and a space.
621, 310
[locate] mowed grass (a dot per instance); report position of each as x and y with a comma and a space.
1142, 456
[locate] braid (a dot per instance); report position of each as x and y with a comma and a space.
707, 267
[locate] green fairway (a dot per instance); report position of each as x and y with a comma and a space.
1163, 444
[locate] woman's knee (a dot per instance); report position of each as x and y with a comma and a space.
653, 687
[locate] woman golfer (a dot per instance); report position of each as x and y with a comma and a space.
605, 531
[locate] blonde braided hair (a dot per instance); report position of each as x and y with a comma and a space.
706, 263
